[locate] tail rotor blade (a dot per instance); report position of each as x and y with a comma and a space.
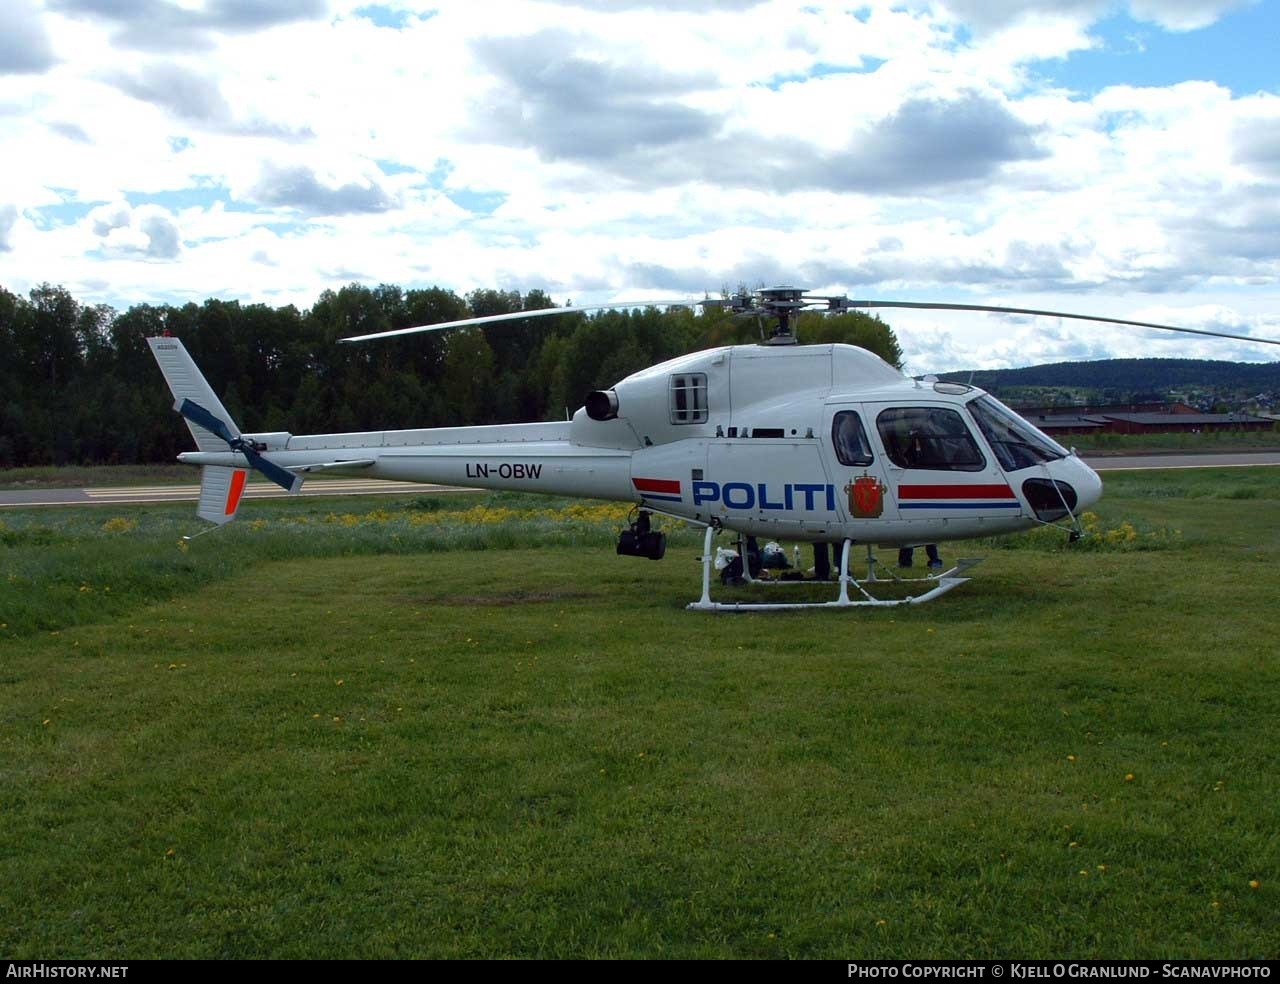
286, 479
199, 415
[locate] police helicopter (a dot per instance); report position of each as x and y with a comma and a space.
825, 444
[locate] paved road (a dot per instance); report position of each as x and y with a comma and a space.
1238, 459
136, 494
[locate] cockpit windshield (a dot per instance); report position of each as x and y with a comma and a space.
1016, 443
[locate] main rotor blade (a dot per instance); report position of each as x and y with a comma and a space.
517, 316
929, 306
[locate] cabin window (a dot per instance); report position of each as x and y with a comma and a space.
689, 398
929, 437
850, 439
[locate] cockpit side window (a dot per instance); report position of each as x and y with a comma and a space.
1016, 443
850, 439
689, 398
935, 438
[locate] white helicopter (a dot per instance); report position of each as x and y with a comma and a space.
823, 444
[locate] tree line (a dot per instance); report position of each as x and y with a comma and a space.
78, 384
1124, 380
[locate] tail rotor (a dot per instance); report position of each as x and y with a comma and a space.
197, 414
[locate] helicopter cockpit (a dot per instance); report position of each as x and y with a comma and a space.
1016, 443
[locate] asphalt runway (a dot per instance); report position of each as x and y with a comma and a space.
142, 494
1235, 459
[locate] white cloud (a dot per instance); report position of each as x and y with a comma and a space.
24, 43
8, 219
597, 150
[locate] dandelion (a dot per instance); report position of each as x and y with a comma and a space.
1129, 777
45, 722
170, 853
1254, 883
1084, 872
882, 922
1071, 758
1102, 867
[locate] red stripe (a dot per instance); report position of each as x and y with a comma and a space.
662, 485
238, 479
955, 492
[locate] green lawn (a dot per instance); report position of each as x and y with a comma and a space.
93, 476
373, 731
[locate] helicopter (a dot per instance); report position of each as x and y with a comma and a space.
822, 444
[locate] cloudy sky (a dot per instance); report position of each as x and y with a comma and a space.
1117, 158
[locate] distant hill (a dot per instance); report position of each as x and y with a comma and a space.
1201, 382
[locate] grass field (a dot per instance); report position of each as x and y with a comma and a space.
90, 476
463, 727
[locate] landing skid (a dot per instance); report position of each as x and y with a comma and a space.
937, 584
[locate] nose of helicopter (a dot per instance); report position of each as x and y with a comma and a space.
1066, 486
1087, 483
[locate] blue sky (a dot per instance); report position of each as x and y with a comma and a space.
1240, 51
1118, 158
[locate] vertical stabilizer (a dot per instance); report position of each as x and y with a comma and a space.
186, 382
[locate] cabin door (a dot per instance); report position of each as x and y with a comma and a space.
936, 471
857, 470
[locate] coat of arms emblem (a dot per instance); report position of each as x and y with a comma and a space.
866, 497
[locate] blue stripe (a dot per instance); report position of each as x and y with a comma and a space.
960, 505
664, 498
